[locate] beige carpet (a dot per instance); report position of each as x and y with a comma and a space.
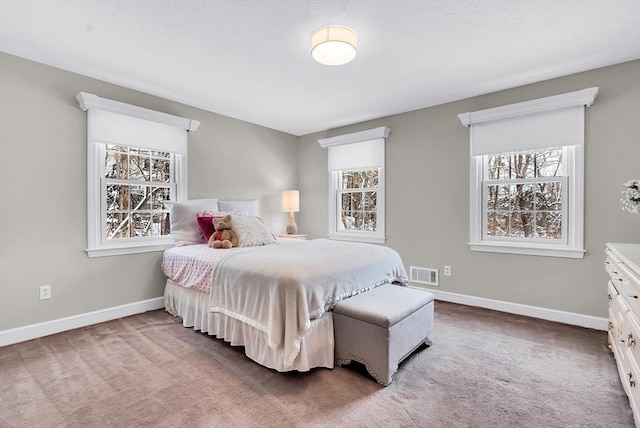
485, 369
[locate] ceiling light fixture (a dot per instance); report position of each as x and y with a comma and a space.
334, 45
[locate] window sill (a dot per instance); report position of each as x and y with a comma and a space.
530, 250
128, 249
357, 238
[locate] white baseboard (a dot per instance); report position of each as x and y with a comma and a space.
21, 334
587, 321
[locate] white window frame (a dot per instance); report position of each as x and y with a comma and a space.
334, 202
97, 244
572, 245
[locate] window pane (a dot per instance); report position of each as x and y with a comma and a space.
370, 201
549, 225
521, 225
117, 225
159, 195
371, 178
116, 163
348, 221
164, 155
498, 167
160, 226
371, 221
140, 196
497, 224
346, 201
118, 197
359, 220
502, 201
356, 201
521, 197
549, 196
522, 165
160, 170
138, 168
549, 163
140, 224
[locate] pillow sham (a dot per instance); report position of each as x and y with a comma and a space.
183, 219
250, 207
205, 222
251, 231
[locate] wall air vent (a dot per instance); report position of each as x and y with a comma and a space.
422, 275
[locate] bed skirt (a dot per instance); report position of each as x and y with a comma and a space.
316, 350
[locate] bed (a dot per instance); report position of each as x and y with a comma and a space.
274, 299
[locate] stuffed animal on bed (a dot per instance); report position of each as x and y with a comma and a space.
223, 237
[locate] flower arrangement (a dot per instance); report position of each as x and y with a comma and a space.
631, 196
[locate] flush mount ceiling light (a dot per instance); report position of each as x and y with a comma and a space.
334, 45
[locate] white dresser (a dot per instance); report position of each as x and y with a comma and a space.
623, 265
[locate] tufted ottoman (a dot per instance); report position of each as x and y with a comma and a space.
381, 327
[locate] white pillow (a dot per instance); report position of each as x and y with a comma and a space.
250, 207
251, 231
183, 218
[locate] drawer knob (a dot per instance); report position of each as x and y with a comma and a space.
632, 382
609, 297
631, 341
610, 326
635, 296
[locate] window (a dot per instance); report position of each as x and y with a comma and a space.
356, 185
357, 194
136, 183
523, 197
527, 173
136, 160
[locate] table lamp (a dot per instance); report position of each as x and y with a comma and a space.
291, 204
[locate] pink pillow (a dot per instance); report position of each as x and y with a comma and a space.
205, 222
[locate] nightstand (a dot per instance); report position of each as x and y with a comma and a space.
293, 236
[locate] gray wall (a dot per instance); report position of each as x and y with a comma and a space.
427, 198
43, 190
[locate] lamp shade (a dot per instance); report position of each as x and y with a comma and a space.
290, 201
334, 45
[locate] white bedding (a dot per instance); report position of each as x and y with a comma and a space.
316, 348
279, 290
191, 266
271, 299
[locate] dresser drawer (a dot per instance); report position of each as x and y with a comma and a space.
631, 336
619, 327
630, 378
629, 288
611, 264
612, 294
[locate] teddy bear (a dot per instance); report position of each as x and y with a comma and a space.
224, 236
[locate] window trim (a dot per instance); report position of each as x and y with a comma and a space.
574, 171
377, 237
96, 247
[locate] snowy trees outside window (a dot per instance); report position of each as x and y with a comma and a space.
524, 195
357, 197
136, 183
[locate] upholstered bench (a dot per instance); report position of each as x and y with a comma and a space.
381, 327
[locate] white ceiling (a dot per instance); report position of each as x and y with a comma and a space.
251, 59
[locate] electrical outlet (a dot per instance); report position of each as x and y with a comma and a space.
45, 292
447, 270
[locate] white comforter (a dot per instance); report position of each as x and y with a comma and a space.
279, 289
